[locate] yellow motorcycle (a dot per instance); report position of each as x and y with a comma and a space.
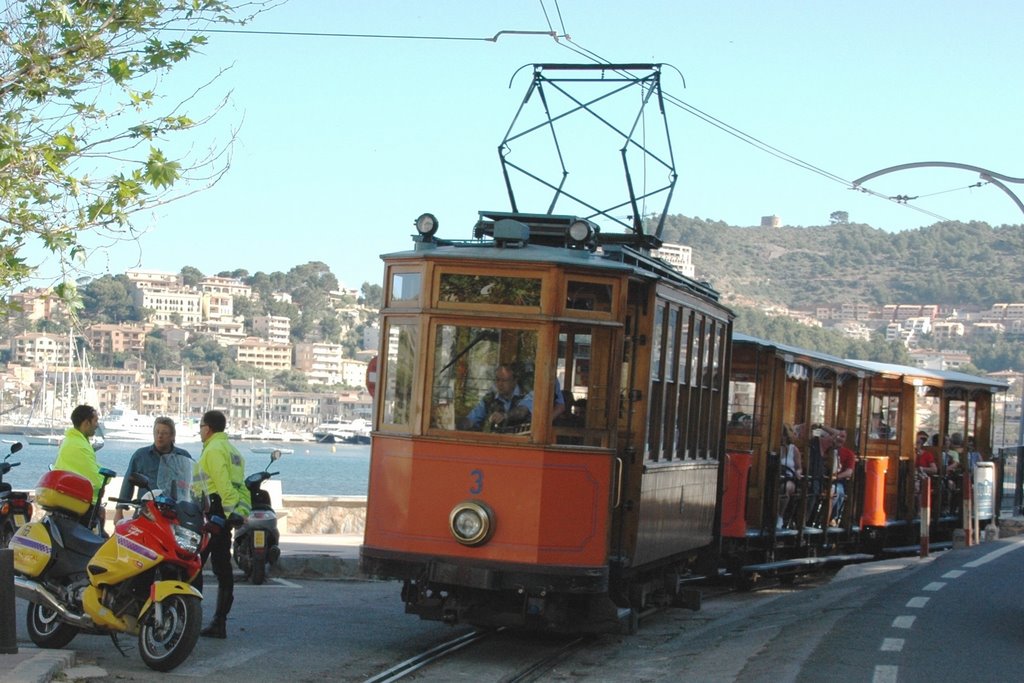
138, 581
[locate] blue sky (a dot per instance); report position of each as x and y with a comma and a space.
342, 142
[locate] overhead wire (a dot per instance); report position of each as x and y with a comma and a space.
752, 140
566, 41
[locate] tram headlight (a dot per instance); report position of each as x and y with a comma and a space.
582, 234
426, 225
471, 523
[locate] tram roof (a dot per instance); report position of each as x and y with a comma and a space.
539, 243
945, 376
876, 368
798, 352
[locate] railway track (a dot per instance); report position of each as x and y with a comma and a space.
541, 658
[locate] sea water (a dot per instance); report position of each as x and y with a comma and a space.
312, 469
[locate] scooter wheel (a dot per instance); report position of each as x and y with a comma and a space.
259, 572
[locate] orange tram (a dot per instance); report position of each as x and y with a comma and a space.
566, 432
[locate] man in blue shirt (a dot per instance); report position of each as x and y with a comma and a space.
508, 407
167, 467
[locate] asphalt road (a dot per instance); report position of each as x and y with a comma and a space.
958, 616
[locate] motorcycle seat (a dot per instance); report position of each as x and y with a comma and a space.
77, 538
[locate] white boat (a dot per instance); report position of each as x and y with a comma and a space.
127, 424
343, 431
44, 439
271, 449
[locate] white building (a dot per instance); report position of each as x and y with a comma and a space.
39, 349
273, 328
678, 256
147, 279
170, 307
322, 362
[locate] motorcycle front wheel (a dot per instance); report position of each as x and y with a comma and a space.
46, 629
165, 644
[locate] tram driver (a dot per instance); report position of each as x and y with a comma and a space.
507, 407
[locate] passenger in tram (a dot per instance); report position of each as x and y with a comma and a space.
847, 462
954, 470
924, 459
880, 430
973, 455
791, 472
507, 407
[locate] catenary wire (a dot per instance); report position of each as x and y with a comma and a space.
566, 41
753, 141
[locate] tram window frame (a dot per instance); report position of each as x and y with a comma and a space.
485, 360
655, 404
583, 363
602, 293
404, 281
487, 299
887, 406
398, 387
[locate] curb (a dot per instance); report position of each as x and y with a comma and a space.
316, 567
37, 665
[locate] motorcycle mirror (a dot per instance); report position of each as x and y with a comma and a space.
16, 446
140, 480
275, 455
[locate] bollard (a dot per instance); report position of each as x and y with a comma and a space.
8, 630
926, 509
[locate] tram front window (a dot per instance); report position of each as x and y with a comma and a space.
483, 379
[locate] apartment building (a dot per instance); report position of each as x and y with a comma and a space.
678, 256
273, 328
153, 279
263, 354
112, 338
226, 286
322, 362
33, 305
41, 349
170, 307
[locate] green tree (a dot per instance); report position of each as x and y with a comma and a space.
79, 129
108, 300
291, 380
373, 296
191, 276
159, 355
839, 218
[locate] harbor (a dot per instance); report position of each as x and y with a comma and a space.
312, 469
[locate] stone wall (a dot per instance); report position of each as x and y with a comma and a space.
322, 514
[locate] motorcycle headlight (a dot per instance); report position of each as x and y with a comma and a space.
186, 539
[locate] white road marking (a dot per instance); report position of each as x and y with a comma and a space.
1015, 545
917, 603
935, 586
954, 574
903, 622
892, 645
885, 674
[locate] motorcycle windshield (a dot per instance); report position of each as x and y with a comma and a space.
174, 478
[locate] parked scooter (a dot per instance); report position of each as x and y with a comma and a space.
135, 582
15, 508
256, 541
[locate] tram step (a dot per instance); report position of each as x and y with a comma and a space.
903, 550
805, 563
